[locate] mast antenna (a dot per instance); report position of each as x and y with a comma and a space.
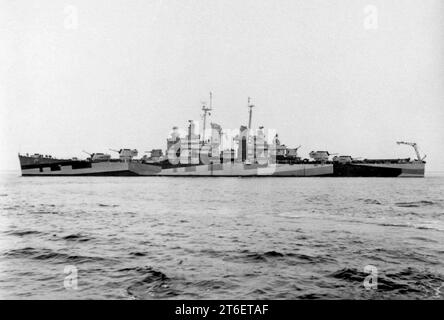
206, 110
250, 106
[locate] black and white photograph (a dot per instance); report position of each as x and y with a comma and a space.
219, 150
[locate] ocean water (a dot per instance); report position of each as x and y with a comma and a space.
221, 238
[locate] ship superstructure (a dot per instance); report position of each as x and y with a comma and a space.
217, 152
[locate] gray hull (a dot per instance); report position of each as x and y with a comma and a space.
215, 170
58, 167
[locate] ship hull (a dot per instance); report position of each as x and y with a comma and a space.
57, 167
99, 169
65, 168
60, 167
237, 170
411, 169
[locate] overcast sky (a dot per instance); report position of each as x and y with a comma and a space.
346, 76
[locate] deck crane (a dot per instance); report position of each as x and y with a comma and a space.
415, 146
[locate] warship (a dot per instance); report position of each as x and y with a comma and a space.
214, 152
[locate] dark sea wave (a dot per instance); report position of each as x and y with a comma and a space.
76, 237
161, 238
152, 283
370, 201
415, 204
408, 281
22, 233
30, 253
